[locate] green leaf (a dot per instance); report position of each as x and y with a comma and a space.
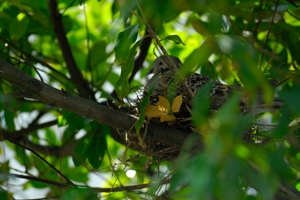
9, 119
21, 156
198, 25
230, 189
98, 53
201, 105
198, 57
140, 122
39, 185
290, 97
213, 24
188, 175
125, 39
122, 85
97, 147
175, 38
80, 151
18, 26
76, 174
282, 127
51, 137
133, 195
61, 120
74, 121
79, 193
159, 12
245, 58
208, 69
229, 109
4, 195
81, 1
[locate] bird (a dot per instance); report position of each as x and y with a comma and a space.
164, 71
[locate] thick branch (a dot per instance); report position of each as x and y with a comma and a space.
32, 88
76, 76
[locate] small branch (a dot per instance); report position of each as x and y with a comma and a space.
45, 161
76, 76
94, 189
35, 59
293, 3
154, 36
19, 138
128, 188
32, 178
151, 31
15, 134
66, 149
268, 34
287, 191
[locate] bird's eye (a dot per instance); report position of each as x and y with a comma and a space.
160, 63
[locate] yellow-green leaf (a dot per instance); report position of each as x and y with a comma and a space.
176, 104
125, 39
162, 101
138, 125
122, 86
152, 111
167, 118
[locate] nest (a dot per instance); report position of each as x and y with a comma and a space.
183, 118
154, 148
149, 146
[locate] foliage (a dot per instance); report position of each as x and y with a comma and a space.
97, 50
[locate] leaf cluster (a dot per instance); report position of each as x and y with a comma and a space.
102, 50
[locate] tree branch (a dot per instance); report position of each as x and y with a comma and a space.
138, 63
124, 122
94, 189
45, 161
19, 138
15, 134
58, 151
76, 76
63, 78
32, 178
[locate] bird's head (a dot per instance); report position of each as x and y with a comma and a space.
163, 64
